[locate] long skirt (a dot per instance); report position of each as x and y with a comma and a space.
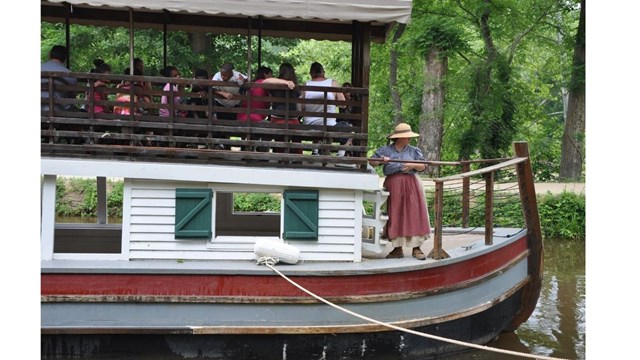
407, 209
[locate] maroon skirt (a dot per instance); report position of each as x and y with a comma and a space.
406, 207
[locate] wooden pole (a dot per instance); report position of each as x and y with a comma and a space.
466, 194
488, 208
437, 252
417, 161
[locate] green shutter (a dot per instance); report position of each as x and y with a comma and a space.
193, 213
301, 214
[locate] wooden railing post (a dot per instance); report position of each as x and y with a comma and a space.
488, 208
437, 252
531, 292
465, 195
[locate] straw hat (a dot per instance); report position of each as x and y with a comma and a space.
402, 130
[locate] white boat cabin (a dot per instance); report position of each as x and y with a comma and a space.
185, 212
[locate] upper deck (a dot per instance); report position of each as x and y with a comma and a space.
144, 135
197, 136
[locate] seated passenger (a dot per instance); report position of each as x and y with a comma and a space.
172, 72
101, 68
57, 57
226, 95
199, 96
318, 79
262, 73
124, 96
287, 73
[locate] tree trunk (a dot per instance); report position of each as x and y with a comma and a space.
432, 114
393, 75
573, 138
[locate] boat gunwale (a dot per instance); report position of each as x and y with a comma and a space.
502, 238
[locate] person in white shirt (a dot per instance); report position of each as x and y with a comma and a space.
226, 95
318, 79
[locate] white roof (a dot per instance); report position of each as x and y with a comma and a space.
381, 11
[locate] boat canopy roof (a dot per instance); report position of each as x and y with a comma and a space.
296, 18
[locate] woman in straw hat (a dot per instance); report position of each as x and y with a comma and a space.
408, 223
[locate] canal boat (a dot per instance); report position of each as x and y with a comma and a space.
186, 274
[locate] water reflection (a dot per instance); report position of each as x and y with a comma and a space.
557, 326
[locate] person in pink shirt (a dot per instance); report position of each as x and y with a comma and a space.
262, 74
172, 72
100, 68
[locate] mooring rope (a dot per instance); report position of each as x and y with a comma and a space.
270, 262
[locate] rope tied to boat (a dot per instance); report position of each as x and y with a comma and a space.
270, 262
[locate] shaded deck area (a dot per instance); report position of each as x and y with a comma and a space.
75, 125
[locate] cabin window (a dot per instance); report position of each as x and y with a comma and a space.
248, 214
193, 213
78, 233
301, 215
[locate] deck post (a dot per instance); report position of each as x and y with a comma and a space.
101, 206
488, 208
48, 208
465, 195
437, 252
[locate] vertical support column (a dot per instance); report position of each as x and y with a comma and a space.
101, 206
488, 208
466, 194
249, 50
131, 45
360, 67
48, 217
437, 252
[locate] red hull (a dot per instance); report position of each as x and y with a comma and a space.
429, 279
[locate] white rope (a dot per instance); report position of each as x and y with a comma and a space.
269, 262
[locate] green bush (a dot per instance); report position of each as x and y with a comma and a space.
79, 197
114, 199
562, 216
255, 202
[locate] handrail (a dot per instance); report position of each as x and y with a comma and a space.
489, 177
485, 170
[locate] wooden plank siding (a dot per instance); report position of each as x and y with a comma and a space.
151, 226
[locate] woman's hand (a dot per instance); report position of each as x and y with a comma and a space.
413, 166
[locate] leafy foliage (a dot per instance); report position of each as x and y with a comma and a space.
256, 202
562, 216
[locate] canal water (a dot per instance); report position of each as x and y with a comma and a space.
557, 327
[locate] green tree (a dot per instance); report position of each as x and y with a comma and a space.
573, 138
435, 38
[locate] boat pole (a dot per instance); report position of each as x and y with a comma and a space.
426, 162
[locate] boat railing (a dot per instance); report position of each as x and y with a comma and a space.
483, 196
124, 122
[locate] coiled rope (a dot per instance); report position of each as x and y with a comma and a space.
270, 262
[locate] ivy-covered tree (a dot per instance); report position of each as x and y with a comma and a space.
573, 139
435, 38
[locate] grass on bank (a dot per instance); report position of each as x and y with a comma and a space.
562, 216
